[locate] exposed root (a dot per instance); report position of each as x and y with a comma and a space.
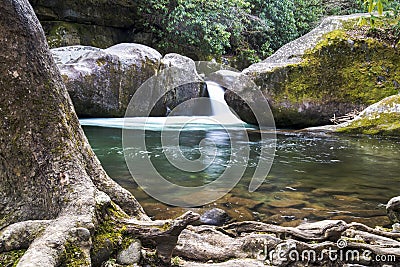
362, 227
47, 249
287, 246
162, 233
321, 231
20, 235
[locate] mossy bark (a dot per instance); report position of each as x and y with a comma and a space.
54, 194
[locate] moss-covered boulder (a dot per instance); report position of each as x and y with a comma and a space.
101, 82
336, 68
382, 118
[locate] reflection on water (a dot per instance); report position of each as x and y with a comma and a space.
312, 178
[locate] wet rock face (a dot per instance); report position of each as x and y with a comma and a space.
86, 22
101, 82
87, 11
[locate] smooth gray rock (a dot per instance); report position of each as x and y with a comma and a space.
215, 216
181, 71
63, 55
130, 255
393, 209
101, 82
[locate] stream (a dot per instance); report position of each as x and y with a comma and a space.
313, 177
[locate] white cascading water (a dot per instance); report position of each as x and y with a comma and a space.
220, 108
221, 117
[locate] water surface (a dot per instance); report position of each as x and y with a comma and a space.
313, 177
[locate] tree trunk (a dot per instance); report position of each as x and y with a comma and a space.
58, 206
53, 190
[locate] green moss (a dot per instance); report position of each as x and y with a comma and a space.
74, 256
166, 226
11, 258
346, 66
100, 62
383, 124
176, 261
110, 232
56, 36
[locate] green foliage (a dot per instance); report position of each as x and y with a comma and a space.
246, 29
195, 27
343, 7
378, 6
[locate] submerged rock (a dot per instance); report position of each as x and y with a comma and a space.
214, 216
287, 203
101, 82
335, 69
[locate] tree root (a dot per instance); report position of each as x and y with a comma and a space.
288, 246
162, 233
20, 235
320, 231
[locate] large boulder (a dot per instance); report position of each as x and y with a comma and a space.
101, 82
186, 91
333, 70
382, 118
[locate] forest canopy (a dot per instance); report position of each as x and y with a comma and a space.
247, 30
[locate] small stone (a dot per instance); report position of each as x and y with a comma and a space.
396, 227
215, 217
393, 209
131, 255
83, 234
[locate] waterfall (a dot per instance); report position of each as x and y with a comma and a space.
219, 107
